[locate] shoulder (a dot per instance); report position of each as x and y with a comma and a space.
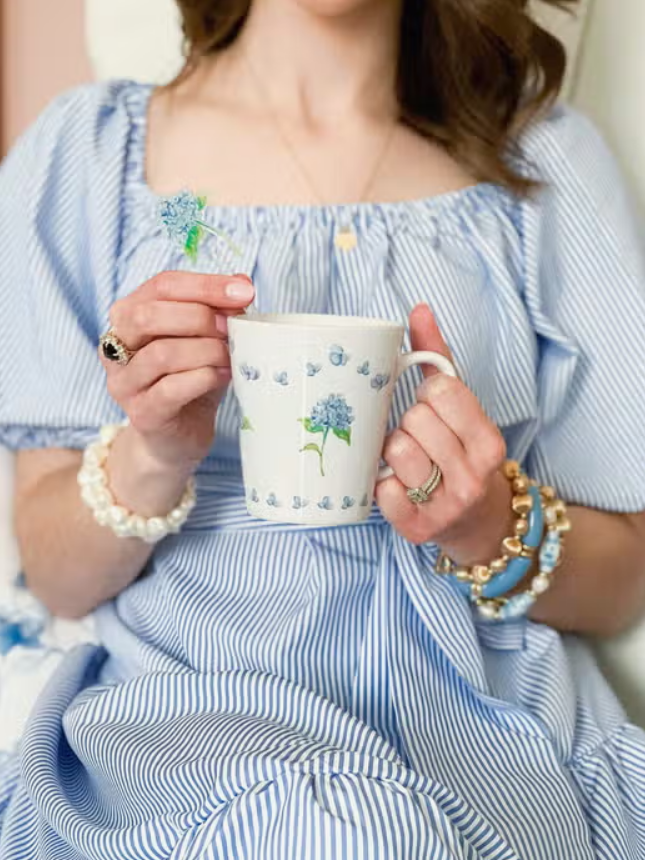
581, 227
61, 189
566, 148
78, 125
92, 105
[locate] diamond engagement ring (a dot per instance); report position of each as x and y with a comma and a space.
420, 495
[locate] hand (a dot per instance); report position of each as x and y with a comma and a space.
177, 325
470, 513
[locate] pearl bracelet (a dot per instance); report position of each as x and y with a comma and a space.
95, 492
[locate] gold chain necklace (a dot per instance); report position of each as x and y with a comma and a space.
345, 238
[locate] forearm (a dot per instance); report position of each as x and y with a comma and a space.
71, 563
600, 588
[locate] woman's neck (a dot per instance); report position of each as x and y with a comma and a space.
317, 120
315, 69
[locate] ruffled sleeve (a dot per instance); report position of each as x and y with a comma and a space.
60, 199
585, 293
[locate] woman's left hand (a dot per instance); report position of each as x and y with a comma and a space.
469, 514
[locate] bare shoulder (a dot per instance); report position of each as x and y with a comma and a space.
422, 168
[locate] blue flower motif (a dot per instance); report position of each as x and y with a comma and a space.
180, 214
281, 378
325, 504
254, 496
272, 501
364, 369
332, 413
380, 381
299, 503
348, 503
313, 369
249, 373
23, 632
338, 356
364, 501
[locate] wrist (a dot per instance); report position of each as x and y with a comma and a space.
479, 540
139, 480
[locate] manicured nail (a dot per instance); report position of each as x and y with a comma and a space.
225, 374
221, 324
242, 291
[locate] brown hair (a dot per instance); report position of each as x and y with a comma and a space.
472, 74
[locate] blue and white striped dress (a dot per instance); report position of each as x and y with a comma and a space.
270, 692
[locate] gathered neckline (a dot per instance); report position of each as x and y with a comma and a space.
138, 102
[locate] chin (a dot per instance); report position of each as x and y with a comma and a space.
335, 8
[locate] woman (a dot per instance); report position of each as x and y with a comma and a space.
274, 693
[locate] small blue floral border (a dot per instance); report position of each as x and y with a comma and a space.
299, 503
338, 357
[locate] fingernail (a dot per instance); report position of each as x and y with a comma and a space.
225, 374
221, 324
242, 291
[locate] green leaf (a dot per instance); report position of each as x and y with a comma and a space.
345, 435
246, 424
202, 202
312, 447
310, 427
192, 242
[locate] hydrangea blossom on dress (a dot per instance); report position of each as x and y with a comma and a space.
181, 217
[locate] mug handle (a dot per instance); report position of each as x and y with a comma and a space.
405, 362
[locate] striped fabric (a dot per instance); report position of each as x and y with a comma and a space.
274, 692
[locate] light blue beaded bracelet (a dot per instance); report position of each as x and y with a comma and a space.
518, 605
517, 568
537, 508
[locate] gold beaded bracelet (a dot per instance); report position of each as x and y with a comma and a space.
537, 510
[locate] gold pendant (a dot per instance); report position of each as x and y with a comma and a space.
346, 239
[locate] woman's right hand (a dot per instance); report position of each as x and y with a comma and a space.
176, 323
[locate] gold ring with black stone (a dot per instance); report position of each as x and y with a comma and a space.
114, 349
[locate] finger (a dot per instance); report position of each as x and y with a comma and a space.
437, 440
166, 357
460, 411
140, 322
426, 336
392, 498
464, 485
232, 292
411, 464
419, 522
164, 401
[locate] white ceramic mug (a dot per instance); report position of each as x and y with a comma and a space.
315, 392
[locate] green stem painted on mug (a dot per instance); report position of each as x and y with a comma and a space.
322, 452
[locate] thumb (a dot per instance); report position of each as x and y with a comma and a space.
425, 335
